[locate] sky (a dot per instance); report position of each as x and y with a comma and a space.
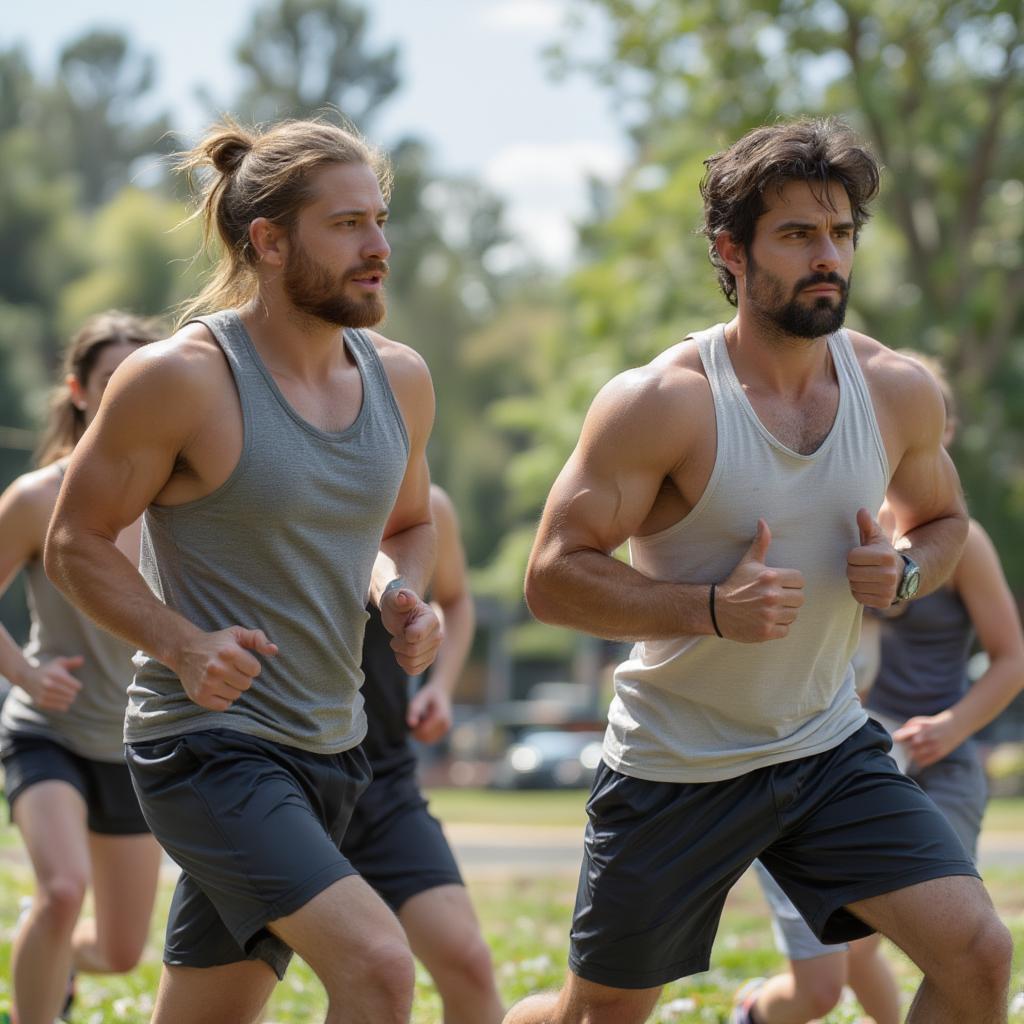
475, 87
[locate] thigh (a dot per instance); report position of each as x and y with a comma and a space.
855, 827
931, 921
51, 817
336, 930
125, 871
659, 859
586, 1002
232, 994
246, 823
440, 924
395, 843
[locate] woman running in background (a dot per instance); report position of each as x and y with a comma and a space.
922, 696
61, 743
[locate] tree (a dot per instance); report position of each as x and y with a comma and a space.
302, 56
936, 86
97, 126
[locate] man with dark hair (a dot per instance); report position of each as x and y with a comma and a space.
277, 450
743, 467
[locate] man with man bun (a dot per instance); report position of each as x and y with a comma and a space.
277, 448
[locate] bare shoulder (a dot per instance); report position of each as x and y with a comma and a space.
903, 389
409, 379
28, 502
663, 403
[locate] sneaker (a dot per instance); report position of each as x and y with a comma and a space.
743, 1001
69, 997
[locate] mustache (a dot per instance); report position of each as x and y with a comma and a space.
370, 267
830, 278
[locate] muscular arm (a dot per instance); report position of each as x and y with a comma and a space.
983, 588
924, 497
601, 498
122, 462
407, 549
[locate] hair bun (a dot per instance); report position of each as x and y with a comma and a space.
228, 149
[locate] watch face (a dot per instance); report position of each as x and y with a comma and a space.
911, 580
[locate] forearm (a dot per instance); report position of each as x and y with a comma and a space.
936, 547
14, 666
409, 554
458, 620
94, 575
989, 695
597, 594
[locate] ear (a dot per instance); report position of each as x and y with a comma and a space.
269, 241
76, 392
733, 255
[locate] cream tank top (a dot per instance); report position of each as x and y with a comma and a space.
703, 709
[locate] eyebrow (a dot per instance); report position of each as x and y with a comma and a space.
798, 225
383, 212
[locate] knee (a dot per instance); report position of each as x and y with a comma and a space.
389, 969
472, 962
121, 957
60, 899
822, 995
991, 954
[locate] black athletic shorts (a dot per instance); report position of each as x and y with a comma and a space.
660, 857
255, 827
112, 808
395, 843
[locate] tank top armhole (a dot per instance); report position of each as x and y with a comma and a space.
373, 366
704, 339
860, 386
218, 326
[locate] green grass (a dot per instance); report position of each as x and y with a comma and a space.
525, 920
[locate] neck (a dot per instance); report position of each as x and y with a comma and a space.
292, 342
767, 358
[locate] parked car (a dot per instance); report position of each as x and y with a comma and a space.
550, 759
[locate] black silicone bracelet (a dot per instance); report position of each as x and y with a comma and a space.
711, 605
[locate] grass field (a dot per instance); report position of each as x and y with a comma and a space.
525, 919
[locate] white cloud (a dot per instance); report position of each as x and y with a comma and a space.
545, 190
523, 15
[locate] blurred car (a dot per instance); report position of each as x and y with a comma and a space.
550, 759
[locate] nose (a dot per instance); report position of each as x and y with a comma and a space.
376, 246
826, 256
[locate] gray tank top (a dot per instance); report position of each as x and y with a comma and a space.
702, 709
923, 660
286, 544
92, 725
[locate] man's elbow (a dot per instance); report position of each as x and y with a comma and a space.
539, 592
55, 552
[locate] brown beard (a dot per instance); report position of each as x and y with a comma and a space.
790, 315
315, 291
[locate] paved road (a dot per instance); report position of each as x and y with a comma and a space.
512, 849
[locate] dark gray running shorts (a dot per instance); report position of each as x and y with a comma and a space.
112, 808
395, 843
660, 857
255, 827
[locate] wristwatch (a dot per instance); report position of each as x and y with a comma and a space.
910, 581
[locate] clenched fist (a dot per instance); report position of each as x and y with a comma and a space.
414, 627
51, 685
758, 602
215, 669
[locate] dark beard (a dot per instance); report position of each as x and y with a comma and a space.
792, 316
315, 292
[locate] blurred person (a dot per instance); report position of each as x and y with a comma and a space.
276, 447
921, 694
61, 729
740, 466
392, 840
